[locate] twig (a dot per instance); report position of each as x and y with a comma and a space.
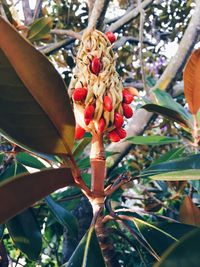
70, 33
141, 33
38, 8
129, 16
28, 16
160, 202
55, 47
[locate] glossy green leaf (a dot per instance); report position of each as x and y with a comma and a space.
167, 113
170, 155
161, 235
88, 252
64, 217
181, 169
164, 99
39, 29
20, 192
25, 233
185, 175
29, 160
13, 170
81, 146
185, 253
152, 140
35, 111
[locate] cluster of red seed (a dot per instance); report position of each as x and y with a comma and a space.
79, 95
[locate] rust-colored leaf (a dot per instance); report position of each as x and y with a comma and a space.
189, 212
28, 78
20, 192
191, 77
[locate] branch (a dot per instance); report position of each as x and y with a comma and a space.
47, 50
38, 9
98, 13
141, 118
28, 15
186, 45
129, 16
141, 37
70, 33
131, 40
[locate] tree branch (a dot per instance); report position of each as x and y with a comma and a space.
141, 118
129, 16
70, 33
28, 15
186, 45
98, 13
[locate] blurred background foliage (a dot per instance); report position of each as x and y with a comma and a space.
154, 201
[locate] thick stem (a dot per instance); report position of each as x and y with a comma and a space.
98, 165
106, 244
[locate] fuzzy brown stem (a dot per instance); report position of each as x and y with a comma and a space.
98, 165
106, 244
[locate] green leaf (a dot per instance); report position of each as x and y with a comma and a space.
39, 28
20, 192
25, 233
181, 169
167, 113
35, 111
29, 160
81, 146
64, 217
88, 252
184, 175
185, 253
170, 155
13, 170
164, 99
161, 235
152, 140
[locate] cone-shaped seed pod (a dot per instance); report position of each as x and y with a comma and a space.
95, 71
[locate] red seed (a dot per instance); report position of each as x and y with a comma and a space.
127, 96
101, 125
96, 65
88, 114
113, 136
118, 120
107, 102
111, 37
79, 132
121, 132
128, 112
79, 94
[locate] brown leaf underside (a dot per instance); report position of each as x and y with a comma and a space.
20, 192
189, 212
191, 77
